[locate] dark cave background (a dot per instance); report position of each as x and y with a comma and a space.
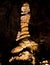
39, 26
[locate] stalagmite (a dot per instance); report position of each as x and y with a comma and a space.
23, 35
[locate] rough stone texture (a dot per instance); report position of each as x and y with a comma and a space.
39, 25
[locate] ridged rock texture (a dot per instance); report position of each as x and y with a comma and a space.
39, 26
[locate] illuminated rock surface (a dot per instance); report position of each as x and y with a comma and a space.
39, 27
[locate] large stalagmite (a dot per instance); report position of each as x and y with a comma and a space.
24, 36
